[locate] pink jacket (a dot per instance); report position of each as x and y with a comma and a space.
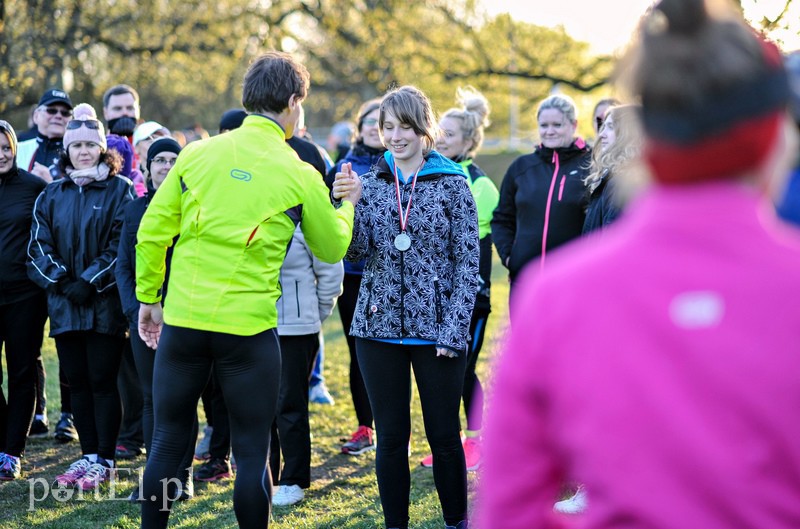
658, 364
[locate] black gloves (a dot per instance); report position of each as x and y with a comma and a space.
78, 291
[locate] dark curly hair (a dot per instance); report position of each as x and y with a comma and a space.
110, 157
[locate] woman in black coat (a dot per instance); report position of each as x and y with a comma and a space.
72, 253
542, 197
23, 307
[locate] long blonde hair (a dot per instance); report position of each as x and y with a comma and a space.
625, 150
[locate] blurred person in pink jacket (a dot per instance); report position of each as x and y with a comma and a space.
658, 365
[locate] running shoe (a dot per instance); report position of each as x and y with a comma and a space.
361, 441
65, 429
575, 504
97, 474
472, 452
214, 469
10, 467
39, 428
123, 452
75, 471
319, 394
288, 495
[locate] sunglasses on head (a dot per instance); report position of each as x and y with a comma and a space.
78, 123
53, 111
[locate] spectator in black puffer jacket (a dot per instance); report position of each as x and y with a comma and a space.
542, 197
72, 252
23, 306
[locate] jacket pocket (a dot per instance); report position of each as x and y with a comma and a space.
561, 187
297, 297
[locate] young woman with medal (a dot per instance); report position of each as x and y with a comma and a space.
416, 225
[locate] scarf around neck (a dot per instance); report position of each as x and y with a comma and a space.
82, 177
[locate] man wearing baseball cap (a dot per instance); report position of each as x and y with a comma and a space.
50, 117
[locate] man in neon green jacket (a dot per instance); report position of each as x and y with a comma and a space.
235, 200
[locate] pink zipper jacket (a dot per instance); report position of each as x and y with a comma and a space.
658, 365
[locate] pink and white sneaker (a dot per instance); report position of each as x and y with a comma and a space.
97, 474
472, 452
75, 472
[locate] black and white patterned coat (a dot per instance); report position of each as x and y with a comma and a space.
427, 292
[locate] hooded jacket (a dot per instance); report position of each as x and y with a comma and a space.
309, 289
75, 234
542, 204
427, 292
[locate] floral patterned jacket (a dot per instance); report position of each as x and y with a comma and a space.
427, 292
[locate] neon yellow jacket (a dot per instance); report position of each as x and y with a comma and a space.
235, 199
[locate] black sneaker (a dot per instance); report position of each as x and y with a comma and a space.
123, 452
135, 495
214, 469
65, 429
38, 428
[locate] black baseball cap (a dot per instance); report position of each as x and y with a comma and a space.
54, 95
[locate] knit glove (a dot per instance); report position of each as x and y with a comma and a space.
78, 291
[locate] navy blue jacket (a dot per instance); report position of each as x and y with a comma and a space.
603, 208
363, 158
125, 270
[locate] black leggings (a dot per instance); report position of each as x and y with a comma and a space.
291, 434
473, 390
347, 306
21, 332
91, 362
248, 369
145, 359
387, 373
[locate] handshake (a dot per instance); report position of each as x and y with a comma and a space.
347, 185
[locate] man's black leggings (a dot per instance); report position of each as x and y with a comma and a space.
145, 359
387, 374
248, 368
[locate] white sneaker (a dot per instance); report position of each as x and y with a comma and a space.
203, 448
576, 504
319, 394
288, 495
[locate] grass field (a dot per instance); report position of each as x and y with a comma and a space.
343, 492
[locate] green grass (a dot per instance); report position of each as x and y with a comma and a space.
343, 493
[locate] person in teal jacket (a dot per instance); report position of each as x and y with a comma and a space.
235, 199
460, 139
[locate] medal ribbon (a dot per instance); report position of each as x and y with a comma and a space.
404, 218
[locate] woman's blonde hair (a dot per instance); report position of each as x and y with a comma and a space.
412, 107
625, 150
474, 116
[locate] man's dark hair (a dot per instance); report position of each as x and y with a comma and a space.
119, 90
271, 80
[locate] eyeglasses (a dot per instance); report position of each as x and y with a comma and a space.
371, 122
78, 123
53, 111
164, 161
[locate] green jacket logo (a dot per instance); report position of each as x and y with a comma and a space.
244, 176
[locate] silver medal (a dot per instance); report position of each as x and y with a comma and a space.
402, 242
